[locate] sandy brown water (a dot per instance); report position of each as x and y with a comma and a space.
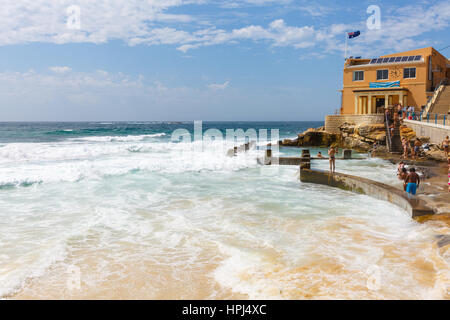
322, 275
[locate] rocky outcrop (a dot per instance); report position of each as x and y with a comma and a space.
363, 136
407, 133
435, 153
359, 137
314, 138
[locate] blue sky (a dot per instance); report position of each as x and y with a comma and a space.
194, 59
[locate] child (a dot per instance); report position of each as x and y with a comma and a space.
400, 167
417, 145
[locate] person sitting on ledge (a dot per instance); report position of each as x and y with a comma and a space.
417, 145
412, 181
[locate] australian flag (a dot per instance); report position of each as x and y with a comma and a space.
353, 34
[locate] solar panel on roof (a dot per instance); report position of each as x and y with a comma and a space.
395, 59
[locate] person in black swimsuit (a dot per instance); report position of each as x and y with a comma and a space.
332, 153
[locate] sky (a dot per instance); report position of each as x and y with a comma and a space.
210, 60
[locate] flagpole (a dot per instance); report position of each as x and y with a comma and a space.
346, 39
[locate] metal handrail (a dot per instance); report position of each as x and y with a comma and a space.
435, 118
388, 132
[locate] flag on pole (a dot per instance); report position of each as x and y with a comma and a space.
355, 34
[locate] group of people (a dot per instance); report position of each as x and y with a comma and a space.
411, 179
407, 112
395, 119
412, 149
410, 113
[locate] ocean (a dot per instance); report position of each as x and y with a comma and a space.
119, 210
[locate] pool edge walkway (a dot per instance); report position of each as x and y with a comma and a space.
416, 207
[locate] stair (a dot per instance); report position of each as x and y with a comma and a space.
439, 103
442, 103
394, 142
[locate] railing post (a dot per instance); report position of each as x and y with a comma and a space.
444, 119
435, 118
428, 117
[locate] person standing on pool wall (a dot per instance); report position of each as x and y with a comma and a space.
332, 153
412, 181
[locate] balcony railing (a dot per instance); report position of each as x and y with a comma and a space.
435, 118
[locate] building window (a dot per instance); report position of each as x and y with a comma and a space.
409, 73
382, 74
358, 75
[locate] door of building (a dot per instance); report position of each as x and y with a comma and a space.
380, 102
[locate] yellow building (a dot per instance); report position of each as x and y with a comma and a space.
409, 78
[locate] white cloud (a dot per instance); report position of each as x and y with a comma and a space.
316, 10
242, 3
57, 69
100, 21
151, 23
218, 86
400, 29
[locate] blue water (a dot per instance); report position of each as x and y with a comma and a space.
118, 210
59, 131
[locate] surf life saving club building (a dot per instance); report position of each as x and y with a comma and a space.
409, 78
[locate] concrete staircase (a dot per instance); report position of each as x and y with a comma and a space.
439, 103
442, 103
394, 142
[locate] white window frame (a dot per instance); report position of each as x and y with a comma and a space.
354, 72
387, 74
415, 73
